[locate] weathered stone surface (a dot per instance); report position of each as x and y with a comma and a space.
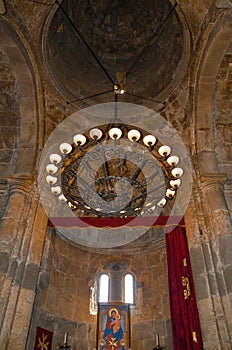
20, 272
225, 243
30, 276
12, 268
4, 262
32, 104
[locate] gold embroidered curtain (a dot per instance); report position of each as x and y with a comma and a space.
184, 313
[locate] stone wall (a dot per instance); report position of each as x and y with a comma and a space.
45, 280
223, 123
63, 293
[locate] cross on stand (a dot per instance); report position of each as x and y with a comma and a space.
112, 343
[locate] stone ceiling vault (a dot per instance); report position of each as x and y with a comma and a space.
117, 32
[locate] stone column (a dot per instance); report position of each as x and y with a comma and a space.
116, 276
3, 195
21, 241
212, 185
12, 226
217, 258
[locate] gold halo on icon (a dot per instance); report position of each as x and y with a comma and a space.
116, 312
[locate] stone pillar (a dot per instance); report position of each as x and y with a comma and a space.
212, 185
212, 262
22, 235
3, 195
12, 226
116, 277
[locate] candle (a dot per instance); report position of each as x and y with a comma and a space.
157, 339
65, 338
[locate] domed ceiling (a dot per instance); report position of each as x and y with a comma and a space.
142, 38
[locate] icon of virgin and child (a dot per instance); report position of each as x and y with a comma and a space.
113, 333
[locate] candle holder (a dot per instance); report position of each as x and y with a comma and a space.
65, 345
158, 347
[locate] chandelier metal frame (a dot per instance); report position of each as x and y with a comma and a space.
128, 180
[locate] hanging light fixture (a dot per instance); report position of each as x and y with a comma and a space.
92, 176
127, 181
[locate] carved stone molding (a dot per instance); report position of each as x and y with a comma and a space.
228, 185
213, 182
3, 184
20, 183
213, 189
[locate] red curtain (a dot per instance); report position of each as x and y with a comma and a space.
184, 314
85, 222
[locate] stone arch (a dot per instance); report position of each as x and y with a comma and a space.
218, 43
17, 51
101, 264
107, 265
213, 216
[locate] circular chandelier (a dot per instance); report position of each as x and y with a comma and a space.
114, 170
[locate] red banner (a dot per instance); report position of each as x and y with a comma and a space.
43, 339
103, 222
186, 330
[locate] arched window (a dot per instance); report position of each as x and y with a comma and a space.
103, 288
126, 286
129, 288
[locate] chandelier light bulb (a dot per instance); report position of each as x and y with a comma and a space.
177, 172
51, 180
162, 202
62, 198
133, 135
173, 160
95, 134
164, 150
79, 139
170, 193
56, 189
150, 210
149, 140
71, 205
55, 158
175, 183
51, 168
115, 133
65, 148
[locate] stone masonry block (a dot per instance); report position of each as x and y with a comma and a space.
4, 261
30, 276
225, 248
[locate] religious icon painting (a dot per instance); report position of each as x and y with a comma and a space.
113, 331
43, 339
